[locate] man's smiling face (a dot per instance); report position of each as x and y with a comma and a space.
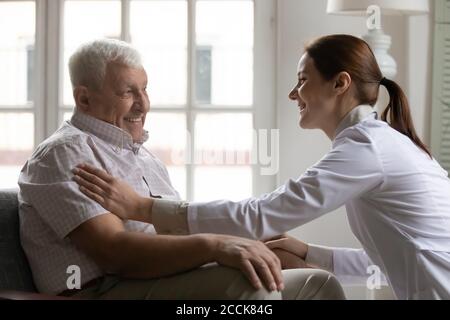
122, 100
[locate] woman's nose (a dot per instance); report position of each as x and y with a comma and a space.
294, 93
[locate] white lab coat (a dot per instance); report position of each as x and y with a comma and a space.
397, 201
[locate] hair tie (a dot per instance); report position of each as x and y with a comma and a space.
383, 81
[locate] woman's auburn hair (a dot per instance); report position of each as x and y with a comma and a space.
337, 53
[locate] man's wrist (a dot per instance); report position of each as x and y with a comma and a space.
210, 245
145, 209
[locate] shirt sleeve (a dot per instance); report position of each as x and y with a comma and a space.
350, 170
46, 184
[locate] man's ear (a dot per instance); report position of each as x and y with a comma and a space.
342, 82
81, 95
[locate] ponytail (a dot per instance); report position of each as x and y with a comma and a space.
399, 113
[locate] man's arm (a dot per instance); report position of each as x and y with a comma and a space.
140, 255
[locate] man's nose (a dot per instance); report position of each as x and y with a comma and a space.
142, 101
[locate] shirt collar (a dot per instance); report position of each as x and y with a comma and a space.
355, 116
116, 137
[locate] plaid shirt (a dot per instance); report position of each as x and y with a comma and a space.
51, 205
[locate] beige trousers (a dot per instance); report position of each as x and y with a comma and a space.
213, 282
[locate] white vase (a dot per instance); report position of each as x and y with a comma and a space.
380, 44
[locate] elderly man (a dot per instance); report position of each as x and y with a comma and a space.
63, 231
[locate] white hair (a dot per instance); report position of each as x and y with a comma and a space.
87, 66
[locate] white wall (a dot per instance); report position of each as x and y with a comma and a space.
419, 78
302, 20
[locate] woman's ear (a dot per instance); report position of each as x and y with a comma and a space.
81, 96
342, 82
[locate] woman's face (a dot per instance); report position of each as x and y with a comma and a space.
314, 95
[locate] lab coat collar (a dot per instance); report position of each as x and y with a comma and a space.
355, 116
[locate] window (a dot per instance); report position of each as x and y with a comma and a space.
202, 63
16, 80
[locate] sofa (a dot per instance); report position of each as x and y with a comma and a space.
16, 280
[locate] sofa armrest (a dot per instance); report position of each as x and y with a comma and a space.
23, 295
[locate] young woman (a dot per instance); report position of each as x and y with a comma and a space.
396, 195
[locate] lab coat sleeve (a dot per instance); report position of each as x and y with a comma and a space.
349, 170
350, 266
354, 267
319, 257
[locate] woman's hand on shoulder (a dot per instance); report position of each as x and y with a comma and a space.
111, 193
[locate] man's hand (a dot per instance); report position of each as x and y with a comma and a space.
112, 193
259, 264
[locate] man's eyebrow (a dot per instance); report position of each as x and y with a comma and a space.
129, 84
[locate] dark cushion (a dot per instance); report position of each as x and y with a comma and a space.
15, 273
